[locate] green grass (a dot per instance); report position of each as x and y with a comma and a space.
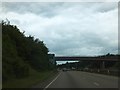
34, 78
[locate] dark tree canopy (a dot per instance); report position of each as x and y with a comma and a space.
20, 53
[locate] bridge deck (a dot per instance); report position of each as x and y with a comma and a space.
106, 58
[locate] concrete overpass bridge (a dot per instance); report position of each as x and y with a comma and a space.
101, 60
86, 58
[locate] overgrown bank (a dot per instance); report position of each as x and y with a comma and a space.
32, 80
22, 54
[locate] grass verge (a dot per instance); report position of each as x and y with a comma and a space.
34, 78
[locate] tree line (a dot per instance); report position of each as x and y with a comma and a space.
20, 53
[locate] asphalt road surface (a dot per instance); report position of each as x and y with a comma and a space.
78, 79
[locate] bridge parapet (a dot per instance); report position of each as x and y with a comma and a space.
105, 58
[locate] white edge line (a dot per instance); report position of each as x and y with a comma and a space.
52, 81
96, 84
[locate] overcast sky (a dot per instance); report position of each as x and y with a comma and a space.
68, 29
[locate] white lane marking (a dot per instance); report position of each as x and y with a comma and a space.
97, 84
52, 81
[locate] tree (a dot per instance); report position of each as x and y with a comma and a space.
20, 53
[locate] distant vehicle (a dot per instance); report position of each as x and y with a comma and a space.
73, 68
64, 69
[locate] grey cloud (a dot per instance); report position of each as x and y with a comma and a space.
44, 9
51, 9
88, 43
69, 28
105, 7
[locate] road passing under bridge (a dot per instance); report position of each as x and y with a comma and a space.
79, 79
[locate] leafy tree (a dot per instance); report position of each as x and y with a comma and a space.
21, 52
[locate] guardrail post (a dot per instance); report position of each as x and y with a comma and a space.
103, 64
108, 71
98, 70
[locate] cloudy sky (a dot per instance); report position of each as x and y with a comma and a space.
68, 29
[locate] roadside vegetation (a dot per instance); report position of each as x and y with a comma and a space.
23, 58
32, 80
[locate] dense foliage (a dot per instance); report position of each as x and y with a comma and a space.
20, 53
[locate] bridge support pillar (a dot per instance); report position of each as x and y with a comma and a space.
103, 65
